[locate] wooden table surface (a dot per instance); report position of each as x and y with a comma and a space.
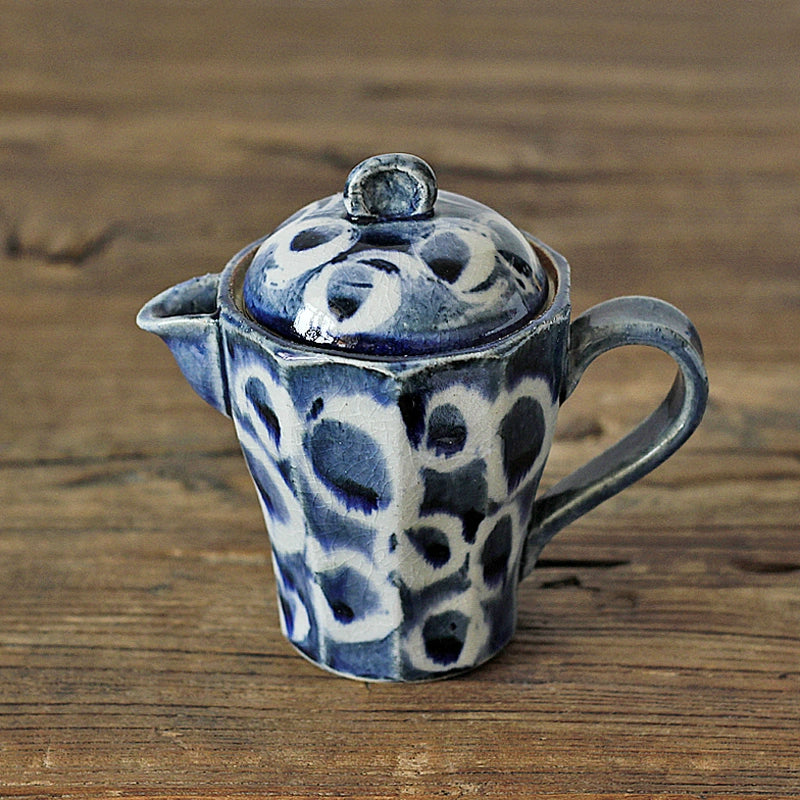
656, 145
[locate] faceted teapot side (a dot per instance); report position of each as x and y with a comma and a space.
397, 493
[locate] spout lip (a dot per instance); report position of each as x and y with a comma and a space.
186, 317
190, 300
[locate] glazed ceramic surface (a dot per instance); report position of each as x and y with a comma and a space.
405, 282
394, 359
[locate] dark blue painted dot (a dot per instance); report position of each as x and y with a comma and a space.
447, 430
316, 408
343, 307
393, 543
535, 358
471, 520
462, 493
496, 552
376, 236
256, 393
349, 593
350, 462
412, 410
342, 611
288, 616
431, 544
444, 636
382, 264
446, 254
313, 237
267, 490
348, 288
455, 492
522, 433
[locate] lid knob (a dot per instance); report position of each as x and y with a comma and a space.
389, 187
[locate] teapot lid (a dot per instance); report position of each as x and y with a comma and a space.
392, 266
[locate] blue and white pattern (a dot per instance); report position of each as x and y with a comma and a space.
393, 359
395, 407
409, 287
393, 505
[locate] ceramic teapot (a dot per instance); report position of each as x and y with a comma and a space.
394, 358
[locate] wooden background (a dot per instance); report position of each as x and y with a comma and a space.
656, 145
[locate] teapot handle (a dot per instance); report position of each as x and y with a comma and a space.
618, 322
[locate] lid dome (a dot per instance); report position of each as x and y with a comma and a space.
394, 267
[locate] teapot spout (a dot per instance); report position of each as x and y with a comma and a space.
186, 317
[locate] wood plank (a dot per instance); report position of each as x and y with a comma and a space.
657, 146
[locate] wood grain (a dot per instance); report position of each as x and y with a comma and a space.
656, 145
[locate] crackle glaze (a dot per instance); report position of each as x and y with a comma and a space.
454, 278
394, 362
398, 494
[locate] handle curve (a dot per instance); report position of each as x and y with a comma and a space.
618, 322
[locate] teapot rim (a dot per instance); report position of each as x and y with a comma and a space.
231, 307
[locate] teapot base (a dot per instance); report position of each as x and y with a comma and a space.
422, 678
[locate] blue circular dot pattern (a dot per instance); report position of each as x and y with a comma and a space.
460, 277
397, 516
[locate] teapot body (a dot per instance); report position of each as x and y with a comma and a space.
397, 492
